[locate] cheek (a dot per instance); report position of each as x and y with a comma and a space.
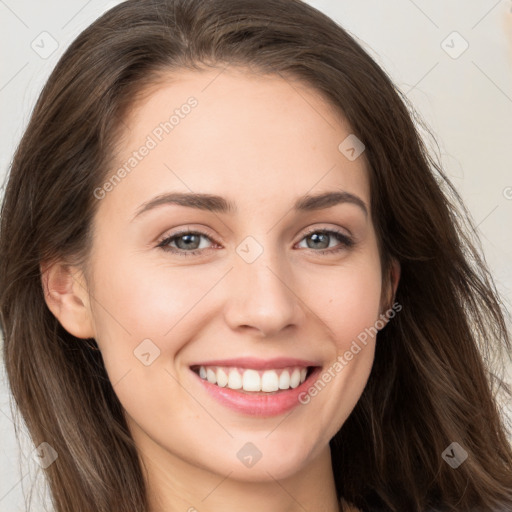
350, 309
141, 321
137, 300
349, 299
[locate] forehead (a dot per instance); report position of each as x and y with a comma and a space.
231, 132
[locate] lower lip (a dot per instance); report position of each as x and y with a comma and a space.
268, 404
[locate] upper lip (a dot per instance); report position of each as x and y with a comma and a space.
258, 364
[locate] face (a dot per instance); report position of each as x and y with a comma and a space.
198, 303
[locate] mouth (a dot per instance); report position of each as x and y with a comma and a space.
253, 381
256, 389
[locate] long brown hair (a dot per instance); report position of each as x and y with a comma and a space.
433, 380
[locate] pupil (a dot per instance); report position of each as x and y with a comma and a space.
188, 242
315, 237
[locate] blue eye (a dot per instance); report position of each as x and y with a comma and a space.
319, 236
188, 243
187, 240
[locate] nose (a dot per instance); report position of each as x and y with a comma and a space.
261, 296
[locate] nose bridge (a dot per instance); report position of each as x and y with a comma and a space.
260, 292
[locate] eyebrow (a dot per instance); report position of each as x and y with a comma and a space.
220, 204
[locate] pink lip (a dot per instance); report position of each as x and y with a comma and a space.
258, 364
262, 405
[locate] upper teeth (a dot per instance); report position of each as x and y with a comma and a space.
253, 380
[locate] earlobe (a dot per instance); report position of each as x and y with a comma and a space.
66, 295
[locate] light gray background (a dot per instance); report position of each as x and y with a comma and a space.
464, 96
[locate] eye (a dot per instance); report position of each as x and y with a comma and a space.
185, 240
188, 243
320, 239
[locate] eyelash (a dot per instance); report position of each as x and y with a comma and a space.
346, 242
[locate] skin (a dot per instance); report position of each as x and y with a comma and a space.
260, 143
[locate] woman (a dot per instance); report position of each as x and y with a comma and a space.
175, 337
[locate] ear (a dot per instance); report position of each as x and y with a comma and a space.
66, 294
394, 279
390, 285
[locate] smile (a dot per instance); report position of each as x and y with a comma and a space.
251, 380
256, 387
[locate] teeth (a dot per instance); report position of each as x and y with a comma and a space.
254, 380
284, 380
235, 380
222, 378
251, 381
211, 376
269, 381
294, 378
